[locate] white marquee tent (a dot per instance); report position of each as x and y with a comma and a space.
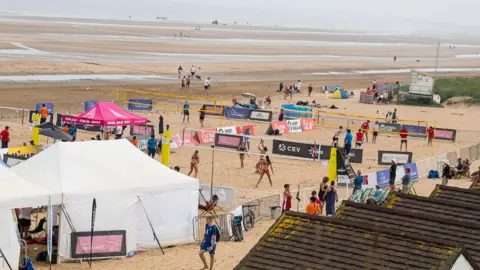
118, 176
15, 192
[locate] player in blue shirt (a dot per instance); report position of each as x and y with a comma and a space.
348, 142
357, 184
209, 243
152, 146
186, 112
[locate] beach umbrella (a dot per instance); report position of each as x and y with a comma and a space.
248, 95
54, 132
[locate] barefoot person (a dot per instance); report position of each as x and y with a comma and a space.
365, 128
186, 112
207, 85
263, 150
183, 84
189, 80
194, 163
243, 149
180, 71
201, 117
359, 139
265, 169
375, 132
336, 136
403, 138
287, 198
431, 135
209, 243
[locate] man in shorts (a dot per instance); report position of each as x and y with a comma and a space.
186, 112
183, 84
394, 116
152, 146
336, 136
403, 138
365, 127
359, 139
348, 142
189, 80
193, 70
43, 114
209, 243
375, 132
287, 198
431, 135
5, 137
207, 85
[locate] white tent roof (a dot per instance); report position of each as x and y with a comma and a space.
17, 192
101, 167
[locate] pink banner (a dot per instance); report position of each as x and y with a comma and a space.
241, 130
281, 126
308, 124
206, 136
101, 244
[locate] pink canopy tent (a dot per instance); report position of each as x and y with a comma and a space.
106, 114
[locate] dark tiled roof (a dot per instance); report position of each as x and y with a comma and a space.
452, 209
456, 194
475, 185
301, 241
428, 225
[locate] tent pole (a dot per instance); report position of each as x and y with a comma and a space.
5, 258
213, 166
151, 226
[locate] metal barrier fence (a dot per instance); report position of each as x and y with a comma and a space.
221, 220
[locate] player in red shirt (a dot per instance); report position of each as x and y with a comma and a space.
287, 198
403, 138
431, 135
359, 139
5, 137
365, 127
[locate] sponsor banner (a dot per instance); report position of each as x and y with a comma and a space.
140, 104
413, 170
296, 149
227, 130
85, 127
236, 113
244, 129
308, 124
389, 127
281, 126
369, 180
385, 157
356, 154
342, 173
49, 106
210, 110
259, 115
228, 141
25, 151
104, 244
184, 139
226, 195
445, 134
89, 104
206, 136
142, 141
294, 125
31, 113
142, 130
383, 178
416, 131
398, 176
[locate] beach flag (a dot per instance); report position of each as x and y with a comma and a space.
35, 130
332, 166
166, 150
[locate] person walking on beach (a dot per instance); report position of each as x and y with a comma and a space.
348, 142
446, 172
5, 137
183, 84
330, 197
299, 86
374, 85
431, 135
189, 80
201, 117
323, 189
43, 114
265, 169
195, 160
403, 138
375, 132
336, 136
186, 112
243, 150
406, 181
394, 116
193, 70
72, 130
207, 85
365, 127
152, 146
393, 173
280, 87
209, 243
287, 198
281, 115
310, 89
180, 71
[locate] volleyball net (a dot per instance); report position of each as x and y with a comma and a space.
147, 100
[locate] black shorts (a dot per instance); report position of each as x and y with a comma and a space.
202, 118
206, 87
347, 148
186, 113
151, 152
43, 120
335, 139
404, 140
24, 222
358, 143
375, 133
193, 73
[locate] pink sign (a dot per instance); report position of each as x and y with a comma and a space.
206, 136
101, 244
228, 141
308, 124
281, 126
444, 134
242, 129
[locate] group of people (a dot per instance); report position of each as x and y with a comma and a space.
462, 168
186, 80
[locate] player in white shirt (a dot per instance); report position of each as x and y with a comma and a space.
193, 70
299, 86
207, 85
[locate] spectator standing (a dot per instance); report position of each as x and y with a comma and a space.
189, 81
431, 135
330, 198
313, 208
281, 115
394, 116
209, 243
348, 142
201, 117
446, 172
403, 138
458, 168
393, 173
193, 70
72, 130
310, 89
152, 146
406, 181
43, 114
186, 112
5, 137
280, 87
365, 127
207, 85
375, 132
299, 86
357, 184
287, 198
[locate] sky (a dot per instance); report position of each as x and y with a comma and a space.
369, 15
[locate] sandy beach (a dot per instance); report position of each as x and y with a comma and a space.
35, 50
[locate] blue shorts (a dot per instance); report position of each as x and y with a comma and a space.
348, 147
205, 247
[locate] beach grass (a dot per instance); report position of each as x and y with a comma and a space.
454, 87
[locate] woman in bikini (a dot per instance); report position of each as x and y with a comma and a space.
194, 163
243, 149
265, 169
263, 150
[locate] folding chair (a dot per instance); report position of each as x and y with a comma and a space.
384, 195
365, 194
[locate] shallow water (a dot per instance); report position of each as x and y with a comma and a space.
70, 77
396, 71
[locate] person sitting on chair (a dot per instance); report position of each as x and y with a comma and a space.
458, 169
209, 206
375, 198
